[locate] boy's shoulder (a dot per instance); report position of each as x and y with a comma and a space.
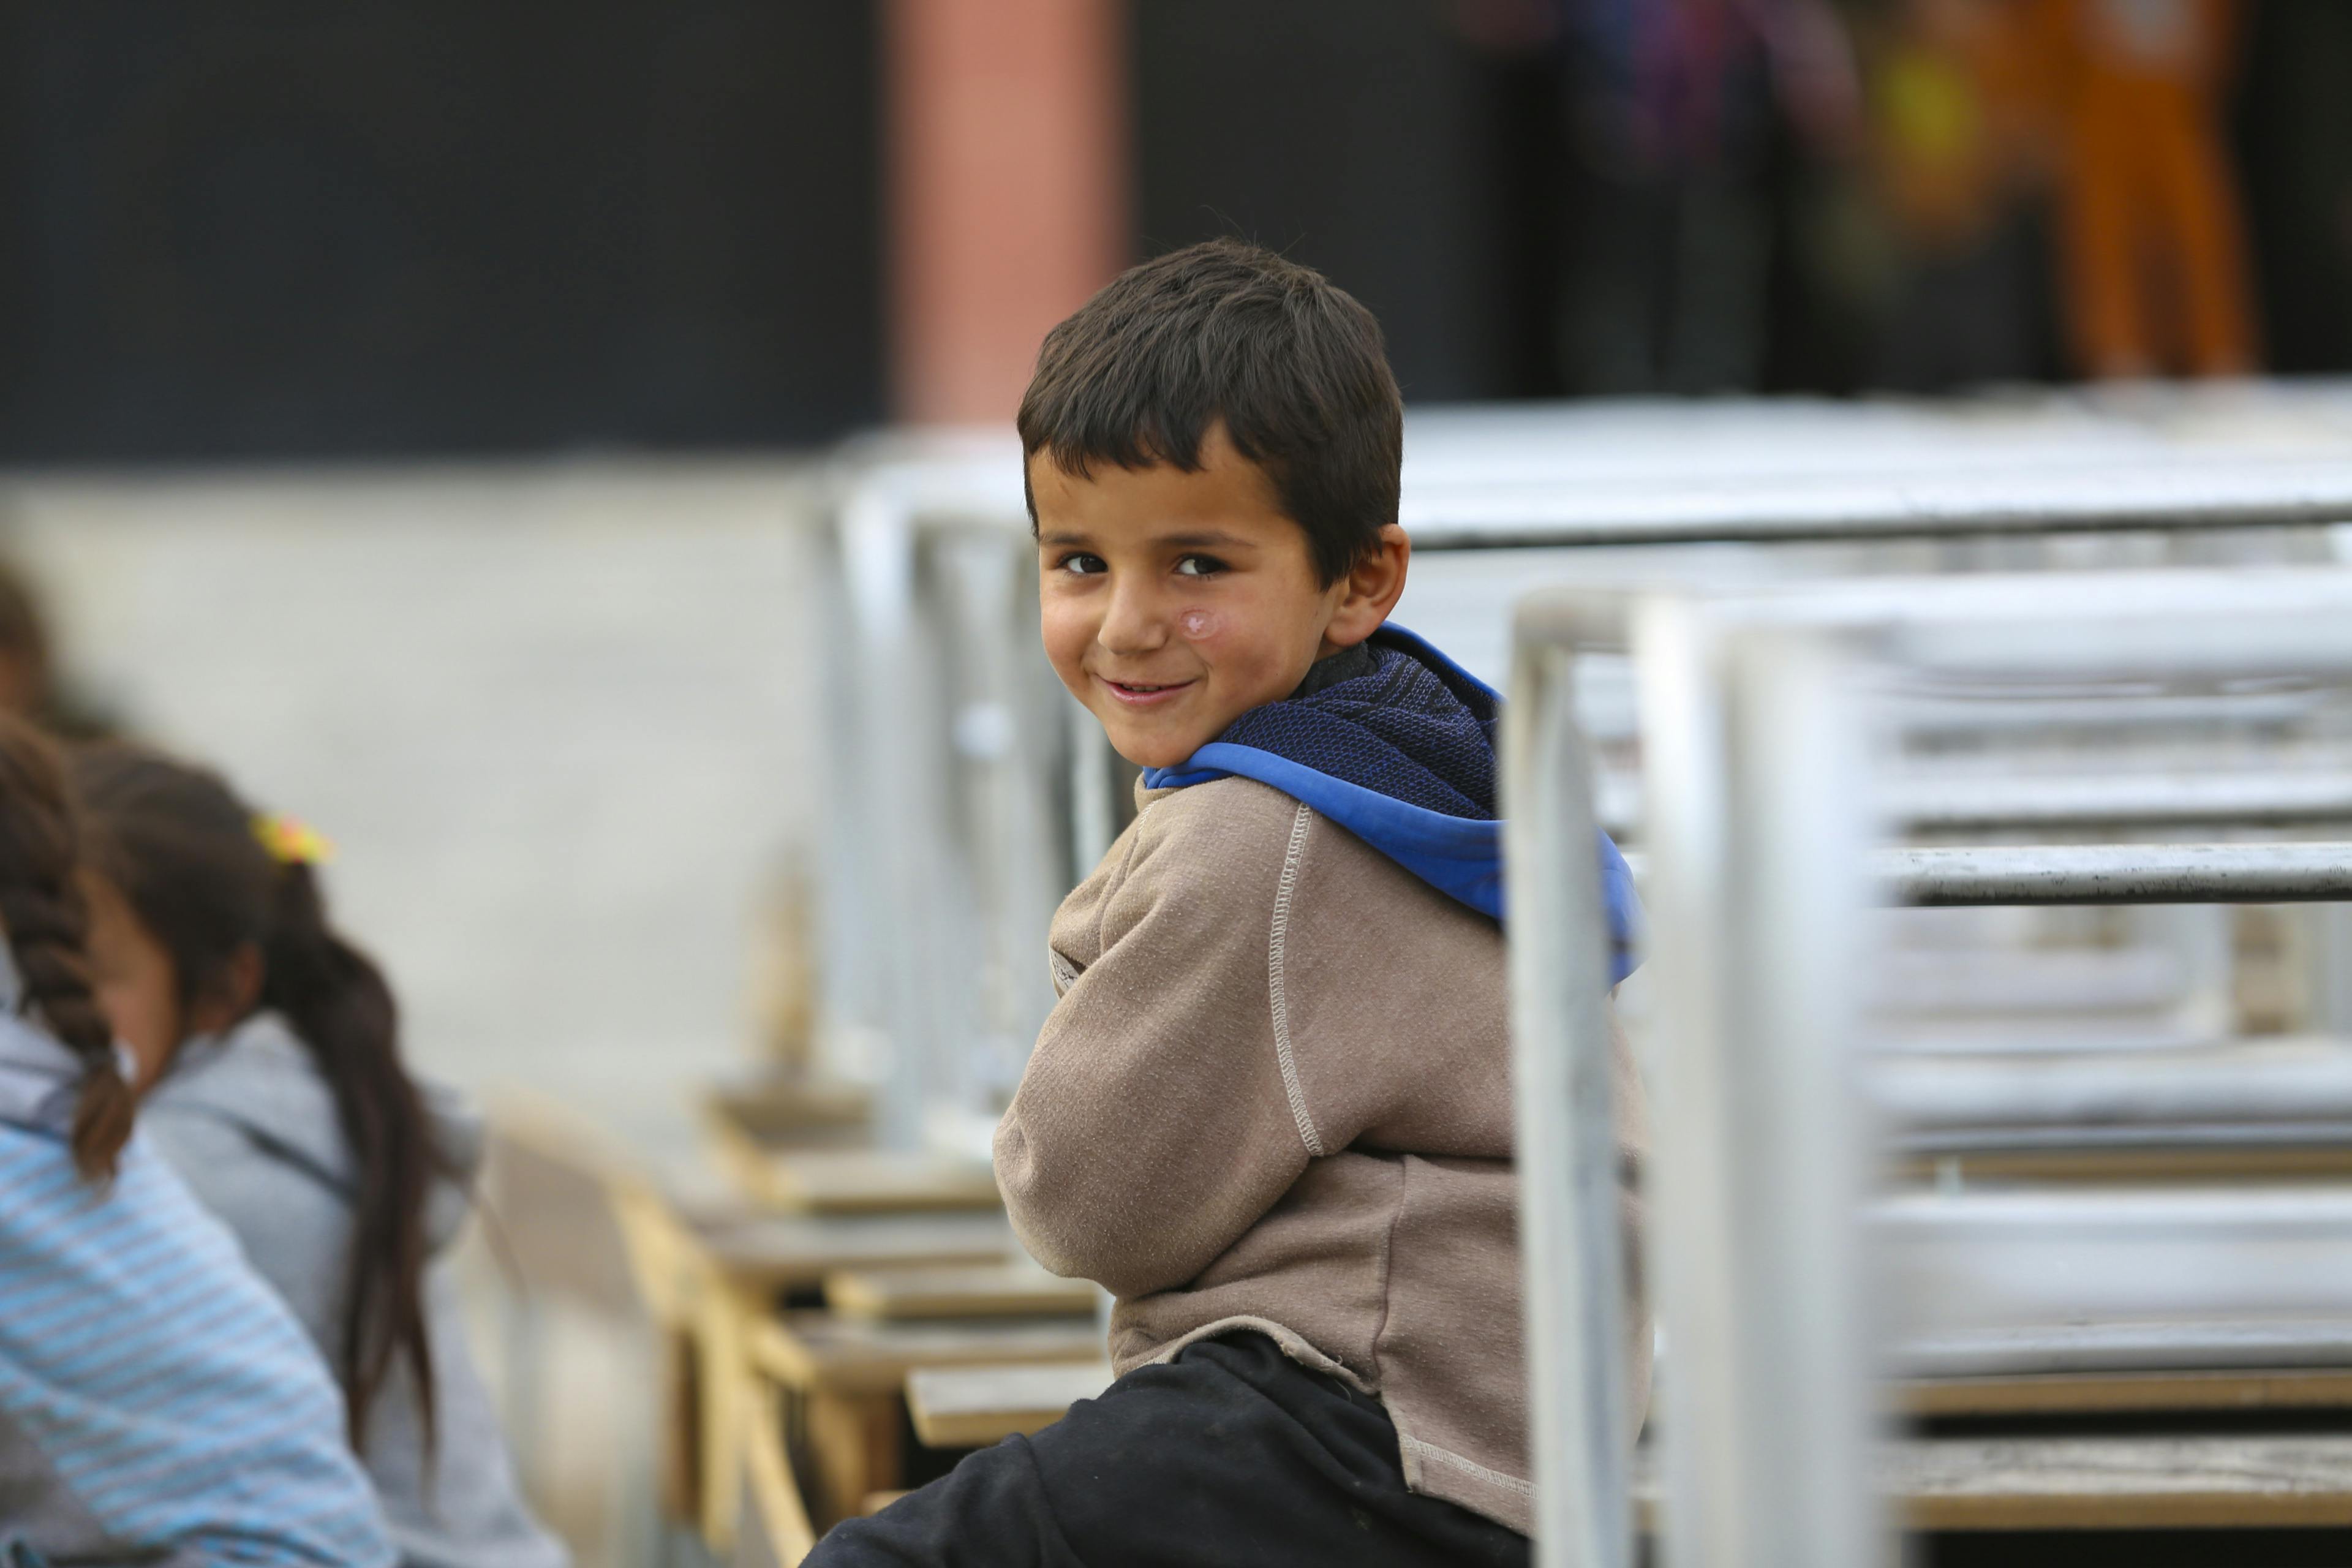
1200, 836
1220, 856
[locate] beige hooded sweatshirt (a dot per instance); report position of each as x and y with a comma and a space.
1276, 1095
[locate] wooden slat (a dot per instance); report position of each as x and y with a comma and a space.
778, 1252
2135, 1164
2050, 1394
821, 1352
856, 1180
2206, 1482
2122, 1483
788, 1109
972, 1406
974, 1290
772, 1528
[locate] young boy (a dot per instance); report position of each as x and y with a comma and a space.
1271, 1113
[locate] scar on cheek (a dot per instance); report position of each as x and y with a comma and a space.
1196, 623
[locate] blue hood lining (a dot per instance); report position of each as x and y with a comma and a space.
1460, 856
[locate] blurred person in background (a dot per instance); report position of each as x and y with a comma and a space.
158, 1403
270, 1071
1961, 144
2152, 232
1672, 111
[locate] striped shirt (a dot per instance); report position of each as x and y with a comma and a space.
171, 1391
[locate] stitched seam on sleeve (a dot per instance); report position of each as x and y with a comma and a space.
1274, 953
1430, 1451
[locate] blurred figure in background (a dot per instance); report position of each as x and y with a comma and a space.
1673, 108
2152, 232
272, 1079
1960, 138
169, 1401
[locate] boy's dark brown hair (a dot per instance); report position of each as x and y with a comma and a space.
184, 851
1225, 332
47, 924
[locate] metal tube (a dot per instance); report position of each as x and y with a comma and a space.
2117, 874
2156, 495
2276, 797
1759, 1162
1933, 804
1564, 1096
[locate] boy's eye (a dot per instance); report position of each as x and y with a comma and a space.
1079, 564
1199, 566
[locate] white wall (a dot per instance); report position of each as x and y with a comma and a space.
554, 716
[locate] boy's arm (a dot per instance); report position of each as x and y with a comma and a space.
1152, 1126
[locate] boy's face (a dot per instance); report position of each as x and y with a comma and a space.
1176, 602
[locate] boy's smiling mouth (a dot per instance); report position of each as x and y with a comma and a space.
1143, 694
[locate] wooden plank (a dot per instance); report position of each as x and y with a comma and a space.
552, 1180
2122, 1483
818, 1351
853, 1448
2133, 1165
972, 1290
788, 1109
858, 1181
972, 1406
772, 1527
2203, 1482
2050, 1394
776, 1252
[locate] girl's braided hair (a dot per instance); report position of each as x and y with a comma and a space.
47, 921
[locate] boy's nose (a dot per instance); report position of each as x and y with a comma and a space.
1134, 622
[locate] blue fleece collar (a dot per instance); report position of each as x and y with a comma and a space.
1461, 857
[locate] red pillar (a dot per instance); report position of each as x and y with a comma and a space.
1007, 164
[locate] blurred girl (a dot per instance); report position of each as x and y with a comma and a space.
266, 1052
151, 1390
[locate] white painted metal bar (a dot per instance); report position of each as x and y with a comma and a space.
2022, 874
2275, 797
1979, 500
2117, 874
1759, 1166
1569, 1216
1929, 802
1757, 881
1985, 1263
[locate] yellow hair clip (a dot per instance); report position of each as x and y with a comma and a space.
292, 841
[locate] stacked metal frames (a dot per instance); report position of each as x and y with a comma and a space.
1754, 730
921, 872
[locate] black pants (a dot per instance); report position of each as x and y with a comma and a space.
1232, 1455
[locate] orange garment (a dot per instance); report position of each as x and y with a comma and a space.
2154, 265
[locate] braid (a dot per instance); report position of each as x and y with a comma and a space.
41, 906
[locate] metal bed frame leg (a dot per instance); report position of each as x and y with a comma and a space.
1569, 1215
1757, 832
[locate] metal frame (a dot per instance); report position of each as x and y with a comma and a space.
1758, 874
1604, 474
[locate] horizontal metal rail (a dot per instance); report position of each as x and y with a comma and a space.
2074, 801
2271, 798
2021, 874
2156, 497
2117, 874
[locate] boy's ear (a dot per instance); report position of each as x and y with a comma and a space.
1371, 590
